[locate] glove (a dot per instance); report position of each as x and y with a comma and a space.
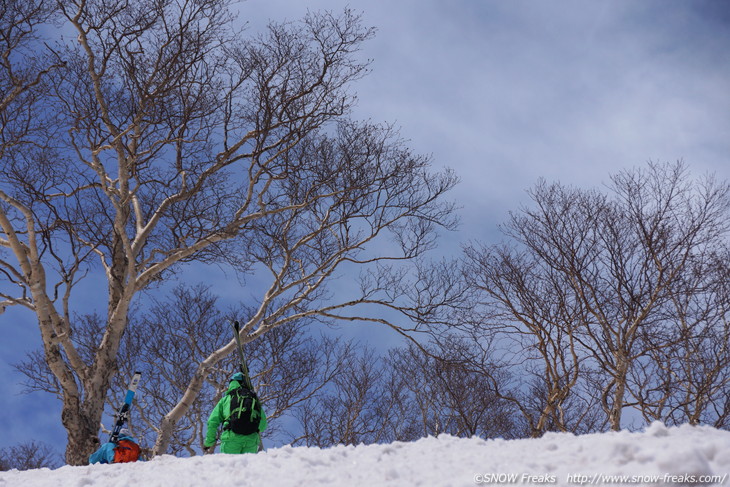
207, 450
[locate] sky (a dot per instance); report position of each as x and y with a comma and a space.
507, 92
504, 93
657, 456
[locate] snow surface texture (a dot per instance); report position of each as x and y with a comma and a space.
657, 456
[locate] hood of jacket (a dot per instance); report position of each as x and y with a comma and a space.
234, 385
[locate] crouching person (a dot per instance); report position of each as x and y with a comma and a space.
124, 450
242, 417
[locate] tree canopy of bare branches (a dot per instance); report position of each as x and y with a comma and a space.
161, 134
623, 293
27, 456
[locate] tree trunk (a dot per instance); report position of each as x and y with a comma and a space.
82, 425
83, 407
615, 412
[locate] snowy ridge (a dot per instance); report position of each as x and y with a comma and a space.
659, 455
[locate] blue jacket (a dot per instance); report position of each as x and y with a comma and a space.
105, 454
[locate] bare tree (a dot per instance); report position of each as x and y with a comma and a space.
290, 365
619, 259
356, 408
25, 66
29, 455
530, 310
182, 141
373, 399
410, 393
687, 379
448, 391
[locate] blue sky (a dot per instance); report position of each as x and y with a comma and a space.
506, 92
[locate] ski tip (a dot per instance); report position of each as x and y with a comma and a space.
138, 372
236, 324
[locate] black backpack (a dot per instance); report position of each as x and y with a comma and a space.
245, 412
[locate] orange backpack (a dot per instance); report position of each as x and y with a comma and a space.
126, 451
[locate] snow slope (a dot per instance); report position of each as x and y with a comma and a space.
657, 456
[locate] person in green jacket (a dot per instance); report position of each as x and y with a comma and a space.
232, 442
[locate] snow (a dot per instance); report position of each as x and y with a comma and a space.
658, 455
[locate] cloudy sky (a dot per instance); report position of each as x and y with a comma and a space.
505, 92
508, 91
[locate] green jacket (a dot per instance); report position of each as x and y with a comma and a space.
220, 413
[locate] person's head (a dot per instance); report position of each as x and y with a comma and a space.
238, 377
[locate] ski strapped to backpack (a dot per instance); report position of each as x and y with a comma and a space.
245, 405
242, 358
122, 414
